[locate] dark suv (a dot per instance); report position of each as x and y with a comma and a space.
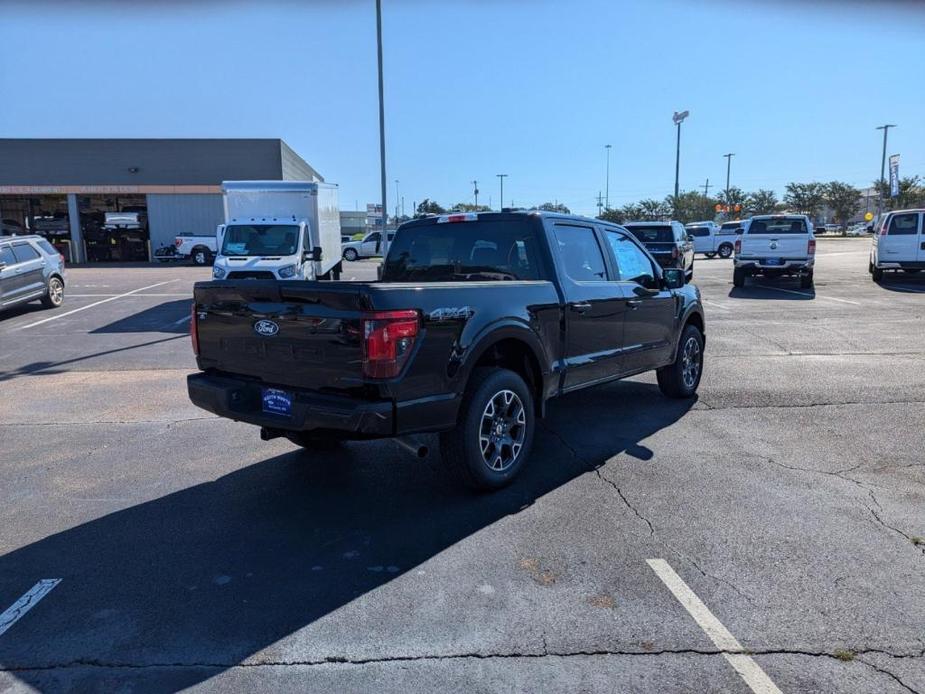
30, 269
668, 242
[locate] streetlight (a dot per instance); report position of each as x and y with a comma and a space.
475, 189
607, 185
385, 214
678, 118
729, 157
885, 129
501, 177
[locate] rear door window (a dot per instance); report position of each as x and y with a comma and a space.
580, 252
47, 247
24, 252
904, 224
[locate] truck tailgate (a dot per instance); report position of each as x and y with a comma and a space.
775, 246
303, 334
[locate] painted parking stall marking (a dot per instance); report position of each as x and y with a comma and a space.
732, 650
13, 613
95, 303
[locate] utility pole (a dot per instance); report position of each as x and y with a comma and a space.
385, 208
706, 189
475, 190
607, 183
501, 177
729, 157
600, 204
885, 129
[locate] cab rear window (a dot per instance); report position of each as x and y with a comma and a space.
476, 251
792, 225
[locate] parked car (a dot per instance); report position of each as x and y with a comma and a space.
11, 227
711, 240
668, 243
898, 243
199, 248
774, 246
479, 319
369, 247
30, 269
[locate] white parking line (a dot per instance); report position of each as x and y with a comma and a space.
95, 303
713, 303
830, 298
12, 614
182, 320
747, 668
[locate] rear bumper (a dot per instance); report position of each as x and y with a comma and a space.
242, 400
791, 265
902, 265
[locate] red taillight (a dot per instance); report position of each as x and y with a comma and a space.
61, 258
883, 229
388, 339
178, 242
194, 330
674, 252
738, 246
811, 247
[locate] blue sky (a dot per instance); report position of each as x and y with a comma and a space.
476, 88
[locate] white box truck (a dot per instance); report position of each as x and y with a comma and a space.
285, 230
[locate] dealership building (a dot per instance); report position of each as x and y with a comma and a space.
120, 200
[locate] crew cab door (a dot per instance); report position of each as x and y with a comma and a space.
649, 320
10, 279
594, 307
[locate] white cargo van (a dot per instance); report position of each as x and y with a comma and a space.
898, 243
285, 230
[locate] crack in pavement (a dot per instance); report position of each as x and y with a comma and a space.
842, 403
597, 470
888, 673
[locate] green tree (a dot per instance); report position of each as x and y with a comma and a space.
691, 206
554, 207
911, 193
429, 206
762, 202
654, 210
735, 196
469, 207
611, 214
805, 198
844, 199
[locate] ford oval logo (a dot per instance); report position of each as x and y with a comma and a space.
266, 328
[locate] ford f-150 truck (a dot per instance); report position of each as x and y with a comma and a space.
477, 321
775, 245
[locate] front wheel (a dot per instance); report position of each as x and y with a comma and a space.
725, 250
492, 440
681, 378
54, 294
351, 254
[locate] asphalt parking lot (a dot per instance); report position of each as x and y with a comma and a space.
769, 535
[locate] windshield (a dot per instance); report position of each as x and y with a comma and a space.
261, 239
465, 251
653, 234
787, 225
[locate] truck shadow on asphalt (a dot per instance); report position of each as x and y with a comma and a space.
168, 317
202, 579
763, 292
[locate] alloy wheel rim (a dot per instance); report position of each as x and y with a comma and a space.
690, 362
502, 430
56, 291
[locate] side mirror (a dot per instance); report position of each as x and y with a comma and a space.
672, 278
870, 228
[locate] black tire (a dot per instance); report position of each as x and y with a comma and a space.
462, 447
54, 293
806, 281
681, 378
877, 274
725, 250
351, 254
738, 277
313, 442
870, 267
689, 276
710, 255
201, 256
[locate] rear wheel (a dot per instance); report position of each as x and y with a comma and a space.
201, 256
54, 294
680, 379
725, 250
877, 274
806, 281
738, 277
351, 254
492, 440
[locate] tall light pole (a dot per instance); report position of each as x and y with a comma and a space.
678, 118
396, 201
385, 214
607, 183
475, 190
729, 157
885, 129
501, 177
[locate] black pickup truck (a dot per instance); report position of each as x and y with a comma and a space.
477, 321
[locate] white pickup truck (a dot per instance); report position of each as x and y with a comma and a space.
199, 249
711, 239
776, 245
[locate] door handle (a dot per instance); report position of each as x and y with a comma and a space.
633, 303
580, 307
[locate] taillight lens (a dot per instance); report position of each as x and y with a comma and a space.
61, 258
883, 229
674, 252
194, 330
178, 242
811, 247
388, 338
738, 246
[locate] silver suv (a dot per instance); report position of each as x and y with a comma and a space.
30, 269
